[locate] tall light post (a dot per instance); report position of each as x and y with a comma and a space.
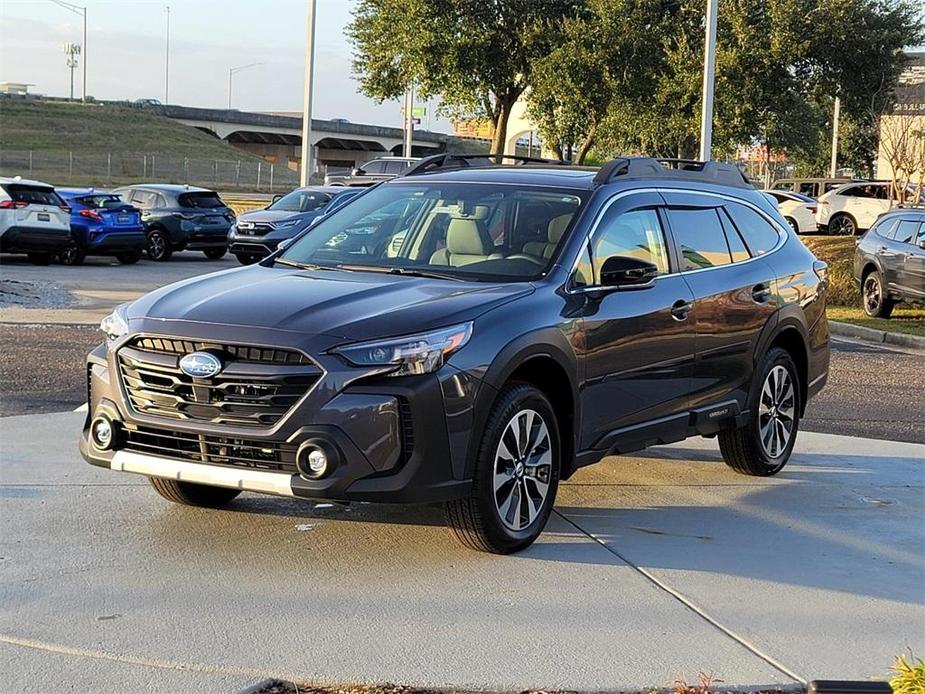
167, 60
82, 11
709, 73
306, 172
235, 70
409, 120
836, 118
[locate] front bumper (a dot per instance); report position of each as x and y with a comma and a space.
260, 244
20, 239
388, 442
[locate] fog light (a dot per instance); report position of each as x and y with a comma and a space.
101, 431
312, 461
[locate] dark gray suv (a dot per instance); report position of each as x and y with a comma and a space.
472, 334
889, 263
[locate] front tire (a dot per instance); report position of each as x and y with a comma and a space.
190, 494
877, 301
159, 246
842, 225
763, 446
215, 253
516, 475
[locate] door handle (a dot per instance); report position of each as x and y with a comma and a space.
761, 293
681, 309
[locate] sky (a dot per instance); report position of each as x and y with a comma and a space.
127, 42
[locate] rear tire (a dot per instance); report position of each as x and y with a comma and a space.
39, 258
516, 475
874, 296
128, 258
74, 254
793, 224
190, 494
247, 258
842, 225
159, 246
763, 446
215, 253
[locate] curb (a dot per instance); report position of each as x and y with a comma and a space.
877, 337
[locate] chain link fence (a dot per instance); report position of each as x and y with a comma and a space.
106, 169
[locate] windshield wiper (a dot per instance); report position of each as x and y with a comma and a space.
399, 270
302, 266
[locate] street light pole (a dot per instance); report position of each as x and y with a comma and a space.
167, 61
234, 71
306, 168
836, 118
409, 120
709, 73
82, 11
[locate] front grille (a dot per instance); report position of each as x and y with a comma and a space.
212, 450
257, 229
256, 388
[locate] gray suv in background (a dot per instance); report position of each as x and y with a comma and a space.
371, 172
889, 263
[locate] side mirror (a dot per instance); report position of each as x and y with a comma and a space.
625, 271
922, 244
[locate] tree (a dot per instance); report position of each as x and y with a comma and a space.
477, 56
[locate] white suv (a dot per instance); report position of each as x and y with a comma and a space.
33, 220
854, 207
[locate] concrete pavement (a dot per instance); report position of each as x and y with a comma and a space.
654, 568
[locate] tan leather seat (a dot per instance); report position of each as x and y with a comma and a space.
554, 231
464, 244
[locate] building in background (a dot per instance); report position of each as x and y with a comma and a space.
901, 153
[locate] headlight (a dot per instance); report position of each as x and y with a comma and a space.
412, 354
115, 324
286, 224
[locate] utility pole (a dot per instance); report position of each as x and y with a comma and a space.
836, 118
167, 61
306, 172
709, 71
233, 71
82, 11
72, 50
409, 119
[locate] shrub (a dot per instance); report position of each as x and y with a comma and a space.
909, 675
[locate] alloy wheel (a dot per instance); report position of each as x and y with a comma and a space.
522, 470
842, 226
776, 411
872, 295
157, 245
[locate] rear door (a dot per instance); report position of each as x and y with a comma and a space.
908, 258
637, 344
732, 287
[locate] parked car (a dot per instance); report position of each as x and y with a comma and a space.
102, 224
178, 217
534, 320
256, 234
798, 210
33, 220
374, 171
813, 187
889, 263
851, 208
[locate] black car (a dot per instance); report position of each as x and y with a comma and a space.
178, 217
889, 263
472, 335
257, 233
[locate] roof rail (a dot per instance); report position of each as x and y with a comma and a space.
449, 162
677, 169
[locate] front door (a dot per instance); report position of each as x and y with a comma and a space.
907, 257
637, 344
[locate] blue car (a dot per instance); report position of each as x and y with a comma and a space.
102, 224
257, 233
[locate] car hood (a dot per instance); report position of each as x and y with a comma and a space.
275, 215
342, 304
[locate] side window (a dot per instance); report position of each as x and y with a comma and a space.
886, 229
759, 235
635, 234
879, 192
159, 201
144, 199
394, 167
584, 276
853, 192
921, 236
807, 188
700, 238
374, 167
737, 247
906, 230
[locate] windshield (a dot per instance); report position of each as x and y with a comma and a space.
465, 230
301, 201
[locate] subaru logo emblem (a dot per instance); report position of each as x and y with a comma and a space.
200, 365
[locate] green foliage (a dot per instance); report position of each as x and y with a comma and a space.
477, 56
909, 675
838, 253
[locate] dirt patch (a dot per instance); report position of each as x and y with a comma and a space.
34, 294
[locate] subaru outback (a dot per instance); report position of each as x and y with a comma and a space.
472, 334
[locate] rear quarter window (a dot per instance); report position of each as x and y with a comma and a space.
760, 235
